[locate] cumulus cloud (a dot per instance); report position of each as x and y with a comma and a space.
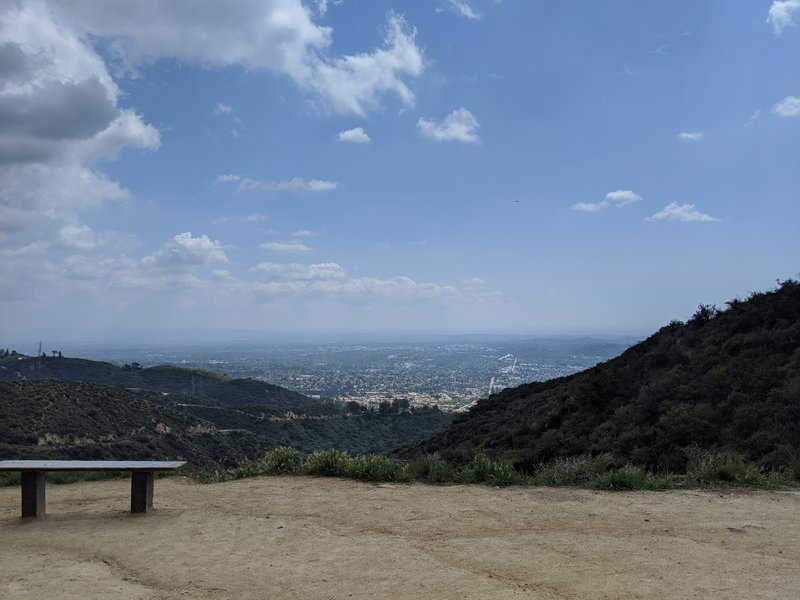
461, 7
185, 250
687, 213
788, 107
459, 126
356, 83
59, 115
274, 35
296, 184
622, 197
293, 246
618, 198
255, 218
223, 109
781, 14
357, 135
691, 136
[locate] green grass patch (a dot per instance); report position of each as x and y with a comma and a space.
574, 471
430, 468
494, 471
631, 477
375, 468
710, 468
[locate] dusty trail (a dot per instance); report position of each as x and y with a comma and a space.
329, 539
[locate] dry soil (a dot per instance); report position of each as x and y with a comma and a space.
308, 538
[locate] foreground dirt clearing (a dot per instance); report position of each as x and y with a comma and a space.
310, 538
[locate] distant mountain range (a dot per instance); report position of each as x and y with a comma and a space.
58, 407
726, 379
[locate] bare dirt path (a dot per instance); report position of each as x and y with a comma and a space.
308, 539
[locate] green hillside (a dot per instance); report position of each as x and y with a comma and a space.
245, 417
71, 420
163, 378
726, 380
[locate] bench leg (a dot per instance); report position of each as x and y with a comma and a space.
141, 491
33, 493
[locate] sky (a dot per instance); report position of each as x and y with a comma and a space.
452, 166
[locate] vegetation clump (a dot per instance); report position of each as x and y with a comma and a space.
600, 472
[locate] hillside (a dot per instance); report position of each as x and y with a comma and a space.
163, 378
249, 416
71, 420
725, 379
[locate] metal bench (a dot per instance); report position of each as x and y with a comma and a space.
33, 479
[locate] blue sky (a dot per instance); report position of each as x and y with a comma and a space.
359, 166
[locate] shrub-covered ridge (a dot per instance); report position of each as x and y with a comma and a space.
726, 380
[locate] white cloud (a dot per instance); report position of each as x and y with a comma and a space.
588, 206
227, 178
618, 198
59, 114
296, 184
296, 271
460, 126
788, 107
255, 218
322, 6
303, 233
781, 14
687, 213
184, 250
691, 136
356, 83
293, 246
77, 237
461, 7
275, 35
622, 197
473, 281
223, 109
357, 135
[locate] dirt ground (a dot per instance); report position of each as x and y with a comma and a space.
307, 538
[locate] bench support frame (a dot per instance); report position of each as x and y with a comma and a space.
33, 496
141, 491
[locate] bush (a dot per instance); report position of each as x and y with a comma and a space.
328, 463
631, 477
707, 467
579, 470
282, 461
375, 468
433, 469
494, 472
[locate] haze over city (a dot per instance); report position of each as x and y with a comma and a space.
384, 166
